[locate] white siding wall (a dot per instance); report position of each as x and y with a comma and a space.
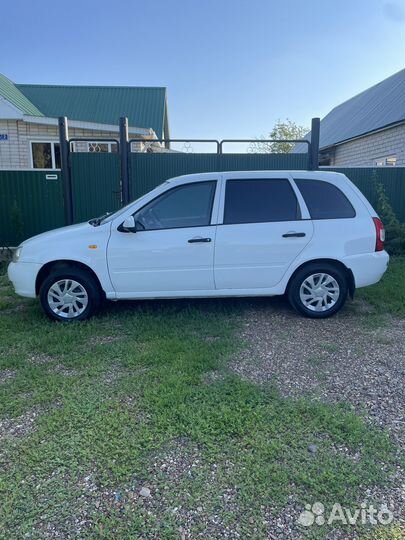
15, 152
365, 150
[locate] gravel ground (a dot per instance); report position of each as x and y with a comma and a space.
348, 358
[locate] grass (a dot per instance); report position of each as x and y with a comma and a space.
94, 411
389, 295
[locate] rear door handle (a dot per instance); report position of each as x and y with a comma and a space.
198, 239
294, 235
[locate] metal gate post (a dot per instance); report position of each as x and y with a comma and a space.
314, 149
65, 165
124, 160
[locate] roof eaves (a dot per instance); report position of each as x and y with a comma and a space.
10, 92
361, 135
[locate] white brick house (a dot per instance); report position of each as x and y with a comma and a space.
29, 119
367, 130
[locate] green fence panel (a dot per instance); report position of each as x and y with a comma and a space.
95, 184
392, 178
31, 202
150, 170
263, 162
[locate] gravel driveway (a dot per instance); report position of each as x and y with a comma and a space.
355, 357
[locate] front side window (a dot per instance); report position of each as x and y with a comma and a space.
45, 155
260, 201
189, 205
324, 200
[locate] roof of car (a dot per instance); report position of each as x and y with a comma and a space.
256, 174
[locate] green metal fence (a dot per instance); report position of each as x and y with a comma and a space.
149, 170
392, 178
30, 202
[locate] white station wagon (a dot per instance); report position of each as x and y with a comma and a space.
310, 235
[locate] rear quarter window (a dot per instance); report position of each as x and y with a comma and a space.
324, 200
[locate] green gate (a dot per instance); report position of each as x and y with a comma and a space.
95, 184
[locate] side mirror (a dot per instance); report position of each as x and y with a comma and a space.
128, 225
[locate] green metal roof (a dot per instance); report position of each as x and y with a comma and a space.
12, 94
145, 107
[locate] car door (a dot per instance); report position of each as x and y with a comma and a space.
172, 251
262, 230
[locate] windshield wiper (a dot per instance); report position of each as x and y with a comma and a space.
97, 221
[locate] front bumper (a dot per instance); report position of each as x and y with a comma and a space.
367, 268
23, 276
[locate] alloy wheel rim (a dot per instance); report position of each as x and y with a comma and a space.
67, 298
319, 292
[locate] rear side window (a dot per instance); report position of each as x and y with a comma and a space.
324, 200
260, 201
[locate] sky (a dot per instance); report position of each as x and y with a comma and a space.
232, 67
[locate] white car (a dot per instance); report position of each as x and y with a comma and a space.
312, 235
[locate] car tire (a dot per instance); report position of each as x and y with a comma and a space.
70, 294
318, 290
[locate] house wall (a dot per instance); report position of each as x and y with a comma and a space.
365, 150
15, 151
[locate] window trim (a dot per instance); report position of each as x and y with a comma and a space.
52, 142
214, 193
385, 158
331, 184
299, 216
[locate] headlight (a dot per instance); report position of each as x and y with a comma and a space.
17, 254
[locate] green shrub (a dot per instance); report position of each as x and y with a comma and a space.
394, 229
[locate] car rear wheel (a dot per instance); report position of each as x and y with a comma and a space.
318, 290
70, 294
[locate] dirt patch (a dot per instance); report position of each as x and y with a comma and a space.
40, 359
103, 340
20, 426
7, 375
65, 371
340, 359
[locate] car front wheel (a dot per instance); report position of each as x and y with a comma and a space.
318, 291
69, 295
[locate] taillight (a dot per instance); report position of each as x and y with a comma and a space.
379, 234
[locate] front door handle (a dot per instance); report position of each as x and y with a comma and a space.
294, 235
198, 239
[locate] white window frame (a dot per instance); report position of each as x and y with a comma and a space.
382, 161
52, 142
109, 145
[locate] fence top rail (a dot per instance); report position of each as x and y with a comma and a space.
150, 142
265, 141
95, 139
220, 144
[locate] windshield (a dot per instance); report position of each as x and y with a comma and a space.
108, 217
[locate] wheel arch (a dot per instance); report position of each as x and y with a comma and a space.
347, 272
64, 264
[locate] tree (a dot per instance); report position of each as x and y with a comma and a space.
281, 130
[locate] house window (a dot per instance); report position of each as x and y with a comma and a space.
385, 161
101, 147
45, 155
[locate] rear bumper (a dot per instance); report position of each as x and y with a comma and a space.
23, 276
367, 268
